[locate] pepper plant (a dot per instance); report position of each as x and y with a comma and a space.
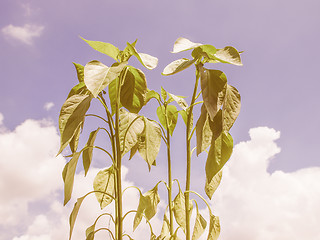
128, 131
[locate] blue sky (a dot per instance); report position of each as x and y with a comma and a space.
278, 83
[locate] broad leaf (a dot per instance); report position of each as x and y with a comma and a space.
90, 232
105, 48
172, 116
179, 210
87, 153
219, 153
75, 139
203, 131
199, 225
68, 176
216, 125
228, 55
152, 94
165, 232
72, 116
206, 51
163, 94
231, 107
98, 76
74, 214
211, 187
177, 66
214, 228
104, 182
183, 44
181, 102
113, 89
80, 71
133, 90
213, 85
80, 89
146, 60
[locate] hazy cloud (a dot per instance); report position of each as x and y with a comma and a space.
24, 34
47, 106
1, 118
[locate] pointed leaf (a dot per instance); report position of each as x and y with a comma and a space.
219, 153
68, 174
179, 210
152, 94
105, 48
87, 153
165, 232
74, 214
163, 94
80, 71
90, 232
80, 89
139, 215
181, 102
177, 66
206, 51
228, 55
214, 228
104, 182
211, 187
216, 125
213, 85
98, 76
203, 131
72, 116
133, 90
199, 225
75, 139
146, 60
231, 107
183, 44
172, 115
113, 89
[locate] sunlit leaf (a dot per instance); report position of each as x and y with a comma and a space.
74, 214
199, 225
104, 182
146, 60
98, 76
183, 44
179, 210
213, 85
231, 107
181, 102
211, 187
80, 89
214, 228
68, 174
228, 55
133, 90
80, 71
219, 153
75, 139
152, 94
87, 153
177, 66
165, 232
113, 89
206, 51
203, 131
90, 232
72, 115
216, 125
105, 48
172, 115
163, 94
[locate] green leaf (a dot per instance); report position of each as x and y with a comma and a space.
129, 134
214, 228
203, 131
104, 182
184, 116
152, 94
133, 90
113, 89
71, 117
206, 51
231, 107
147, 205
74, 214
105, 48
80, 71
199, 225
149, 142
181, 102
228, 55
163, 94
219, 153
80, 89
179, 209
172, 115
216, 125
213, 85
177, 66
211, 187
90, 232
87, 153
98, 76
146, 60
165, 232
183, 44
75, 139
68, 174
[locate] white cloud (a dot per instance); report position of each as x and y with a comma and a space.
47, 106
1, 118
24, 34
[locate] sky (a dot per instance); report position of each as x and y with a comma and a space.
270, 188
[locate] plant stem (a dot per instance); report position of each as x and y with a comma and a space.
169, 182
188, 140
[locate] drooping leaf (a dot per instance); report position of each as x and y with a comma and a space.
90, 232
71, 117
211, 187
165, 232
181, 102
149, 142
228, 55
199, 225
87, 153
105, 48
177, 66
216, 125
231, 107
113, 89
75, 139
179, 209
152, 94
203, 131
104, 182
133, 90
206, 51
214, 228
172, 116
98, 76
183, 44
213, 85
184, 116
163, 94
147, 205
129, 134
80, 71
219, 153
146, 60
68, 174
80, 89
74, 214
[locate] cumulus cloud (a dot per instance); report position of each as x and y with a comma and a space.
47, 106
1, 118
25, 34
